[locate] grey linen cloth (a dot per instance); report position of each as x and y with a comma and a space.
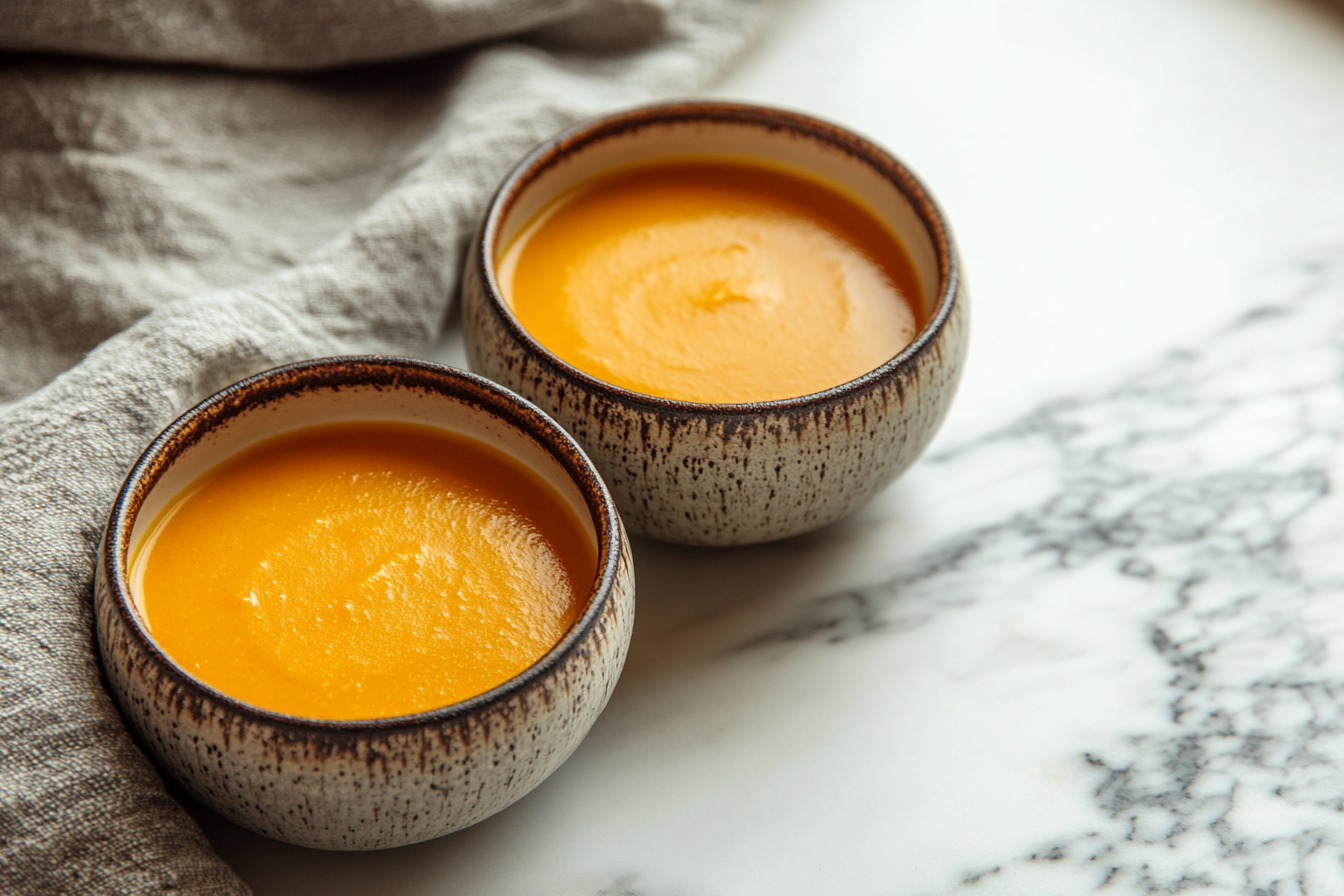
190, 193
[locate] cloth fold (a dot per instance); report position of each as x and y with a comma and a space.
166, 230
272, 34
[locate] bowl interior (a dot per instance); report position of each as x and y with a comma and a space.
223, 437
804, 151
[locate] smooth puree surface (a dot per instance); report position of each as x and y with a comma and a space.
363, 570
713, 281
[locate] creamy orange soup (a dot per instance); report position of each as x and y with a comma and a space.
363, 570
713, 281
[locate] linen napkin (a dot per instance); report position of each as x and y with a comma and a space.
190, 193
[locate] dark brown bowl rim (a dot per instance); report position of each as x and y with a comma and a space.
381, 372
595, 130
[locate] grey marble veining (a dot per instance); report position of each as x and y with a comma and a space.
1211, 478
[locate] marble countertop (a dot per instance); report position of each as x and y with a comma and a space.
1095, 639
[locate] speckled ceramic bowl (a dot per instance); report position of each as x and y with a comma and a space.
384, 782
723, 474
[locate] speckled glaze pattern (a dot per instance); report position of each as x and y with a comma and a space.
379, 783
727, 474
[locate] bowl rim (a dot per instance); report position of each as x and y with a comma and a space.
595, 130
377, 371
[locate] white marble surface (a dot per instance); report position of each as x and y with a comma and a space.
1096, 639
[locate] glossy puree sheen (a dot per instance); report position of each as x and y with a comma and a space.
363, 570
713, 281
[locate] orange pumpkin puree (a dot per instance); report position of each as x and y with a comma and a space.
363, 570
713, 281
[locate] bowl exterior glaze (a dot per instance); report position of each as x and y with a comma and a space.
730, 474
363, 784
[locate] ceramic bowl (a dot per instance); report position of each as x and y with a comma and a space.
383, 782
725, 474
